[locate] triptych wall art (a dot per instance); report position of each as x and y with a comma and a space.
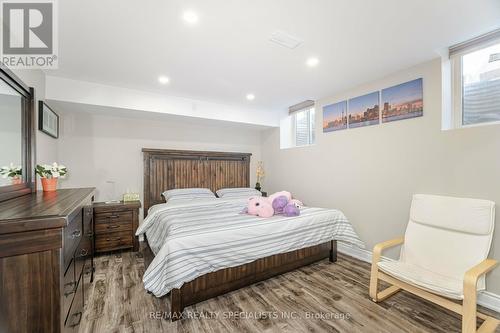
402, 101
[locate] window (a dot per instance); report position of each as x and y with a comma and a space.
298, 128
476, 80
304, 127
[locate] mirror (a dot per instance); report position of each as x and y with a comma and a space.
11, 135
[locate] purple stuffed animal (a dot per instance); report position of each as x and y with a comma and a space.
279, 204
282, 205
291, 210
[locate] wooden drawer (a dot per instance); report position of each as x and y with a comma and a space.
69, 289
72, 236
113, 241
102, 228
113, 216
76, 311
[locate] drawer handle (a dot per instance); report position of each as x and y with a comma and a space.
75, 234
79, 314
73, 290
113, 226
113, 216
83, 252
116, 239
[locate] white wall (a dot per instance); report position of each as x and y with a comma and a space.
371, 173
100, 148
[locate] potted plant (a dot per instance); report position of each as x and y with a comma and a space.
49, 175
13, 172
260, 175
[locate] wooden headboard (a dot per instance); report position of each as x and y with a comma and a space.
170, 169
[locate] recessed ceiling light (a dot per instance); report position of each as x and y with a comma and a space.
250, 97
163, 79
312, 62
190, 17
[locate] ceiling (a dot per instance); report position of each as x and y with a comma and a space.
226, 55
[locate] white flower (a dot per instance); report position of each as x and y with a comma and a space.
55, 174
54, 165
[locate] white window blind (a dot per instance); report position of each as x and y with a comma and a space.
304, 127
481, 86
476, 80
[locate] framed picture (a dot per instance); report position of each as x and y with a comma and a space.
403, 101
48, 120
364, 110
335, 117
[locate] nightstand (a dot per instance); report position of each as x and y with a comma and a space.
115, 225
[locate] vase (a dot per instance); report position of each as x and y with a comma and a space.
49, 184
16, 180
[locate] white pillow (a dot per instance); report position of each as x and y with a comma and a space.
238, 192
188, 193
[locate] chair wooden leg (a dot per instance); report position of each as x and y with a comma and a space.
374, 282
469, 312
387, 292
488, 326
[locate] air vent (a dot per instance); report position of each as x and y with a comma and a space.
286, 40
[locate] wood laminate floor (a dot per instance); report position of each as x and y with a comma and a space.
322, 297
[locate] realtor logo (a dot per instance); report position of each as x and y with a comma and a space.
29, 38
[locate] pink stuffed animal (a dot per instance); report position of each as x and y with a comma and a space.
277, 203
260, 206
286, 194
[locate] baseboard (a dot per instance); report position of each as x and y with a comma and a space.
485, 298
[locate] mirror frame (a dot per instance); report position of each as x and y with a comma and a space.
28, 150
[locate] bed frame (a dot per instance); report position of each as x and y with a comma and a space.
169, 169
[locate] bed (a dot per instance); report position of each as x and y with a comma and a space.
191, 263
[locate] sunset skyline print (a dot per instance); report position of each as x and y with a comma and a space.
335, 117
403, 101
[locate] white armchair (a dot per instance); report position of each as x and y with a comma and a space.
443, 256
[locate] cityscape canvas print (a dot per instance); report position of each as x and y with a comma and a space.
335, 117
403, 101
364, 110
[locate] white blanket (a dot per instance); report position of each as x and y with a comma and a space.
191, 238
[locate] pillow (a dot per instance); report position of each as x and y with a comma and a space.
188, 193
238, 192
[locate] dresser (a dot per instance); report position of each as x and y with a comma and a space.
115, 225
46, 260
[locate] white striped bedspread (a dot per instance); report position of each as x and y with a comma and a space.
191, 238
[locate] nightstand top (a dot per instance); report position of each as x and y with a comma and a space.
117, 205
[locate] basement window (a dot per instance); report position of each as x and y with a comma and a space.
299, 127
475, 71
304, 127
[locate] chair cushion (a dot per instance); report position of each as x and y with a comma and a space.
436, 283
472, 216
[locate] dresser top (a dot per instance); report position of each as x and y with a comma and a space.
41, 210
